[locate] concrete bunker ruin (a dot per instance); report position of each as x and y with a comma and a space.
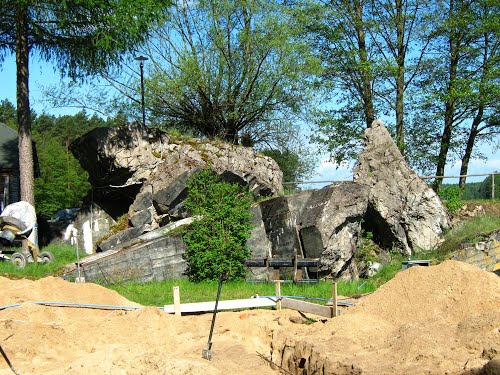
385, 198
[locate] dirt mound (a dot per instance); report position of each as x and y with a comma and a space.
53, 289
472, 209
68, 340
448, 291
429, 320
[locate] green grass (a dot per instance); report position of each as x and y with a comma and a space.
63, 254
471, 230
160, 293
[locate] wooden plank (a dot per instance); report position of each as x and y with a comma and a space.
308, 307
276, 274
223, 305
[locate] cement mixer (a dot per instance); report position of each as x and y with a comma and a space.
17, 223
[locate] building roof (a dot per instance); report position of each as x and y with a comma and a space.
9, 154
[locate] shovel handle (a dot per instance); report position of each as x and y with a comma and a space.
223, 276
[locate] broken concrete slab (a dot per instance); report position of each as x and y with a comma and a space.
413, 215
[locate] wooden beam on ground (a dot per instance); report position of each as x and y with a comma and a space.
307, 307
223, 305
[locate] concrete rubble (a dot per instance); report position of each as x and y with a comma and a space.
144, 175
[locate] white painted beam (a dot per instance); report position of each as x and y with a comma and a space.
223, 305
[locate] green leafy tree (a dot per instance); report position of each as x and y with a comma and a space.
434, 65
399, 34
228, 69
372, 51
295, 157
62, 183
293, 167
217, 242
82, 36
485, 188
8, 114
458, 92
339, 34
471, 191
485, 84
451, 196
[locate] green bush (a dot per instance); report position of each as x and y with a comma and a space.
451, 195
217, 242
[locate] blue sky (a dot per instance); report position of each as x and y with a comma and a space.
44, 74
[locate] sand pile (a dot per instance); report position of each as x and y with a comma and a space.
436, 320
427, 320
60, 340
58, 290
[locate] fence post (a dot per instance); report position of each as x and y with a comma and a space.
334, 299
177, 301
492, 186
278, 294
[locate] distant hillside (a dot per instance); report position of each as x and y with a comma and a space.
478, 190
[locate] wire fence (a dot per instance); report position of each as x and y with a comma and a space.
487, 185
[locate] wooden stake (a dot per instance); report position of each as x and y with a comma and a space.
276, 274
177, 301
334, 299
278, 294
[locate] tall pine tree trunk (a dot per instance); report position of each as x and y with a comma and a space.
23, 107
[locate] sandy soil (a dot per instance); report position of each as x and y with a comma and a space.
438, 320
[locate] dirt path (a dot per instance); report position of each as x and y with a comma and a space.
436, 320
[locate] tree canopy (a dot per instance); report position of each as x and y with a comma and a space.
228, 69
80, 36
430, 69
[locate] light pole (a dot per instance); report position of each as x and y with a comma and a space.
141, 60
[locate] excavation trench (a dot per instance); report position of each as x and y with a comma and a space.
301, 357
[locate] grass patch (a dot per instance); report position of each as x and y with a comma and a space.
160, 293
63, 254
471, 230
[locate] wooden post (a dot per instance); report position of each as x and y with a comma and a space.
493, 186
278, 294
177, 301
276, 274
334, 299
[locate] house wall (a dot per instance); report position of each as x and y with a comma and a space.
9, 188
